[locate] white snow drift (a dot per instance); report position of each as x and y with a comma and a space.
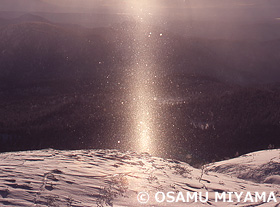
111, 178
261, 167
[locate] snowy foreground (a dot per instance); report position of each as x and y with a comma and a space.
111, 178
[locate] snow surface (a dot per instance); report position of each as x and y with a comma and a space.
108, 177
261, 167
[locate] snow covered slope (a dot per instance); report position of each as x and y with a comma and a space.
111, 178
261, 167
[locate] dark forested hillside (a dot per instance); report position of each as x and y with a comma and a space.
64, 86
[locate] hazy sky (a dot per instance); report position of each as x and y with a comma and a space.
89, 4
207, 8
170, 3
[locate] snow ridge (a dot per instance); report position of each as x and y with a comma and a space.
87, 178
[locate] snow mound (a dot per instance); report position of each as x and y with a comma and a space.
261, 167
274, 179
87, 178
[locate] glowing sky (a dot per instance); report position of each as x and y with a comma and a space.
167, 3
260, 8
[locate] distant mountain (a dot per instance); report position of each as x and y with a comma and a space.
22, 19
29, 18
